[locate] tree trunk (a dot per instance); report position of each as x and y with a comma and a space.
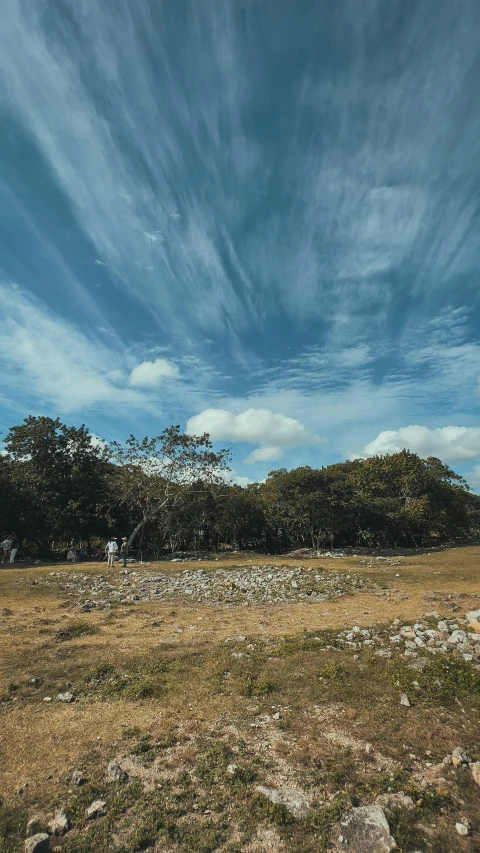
140, 526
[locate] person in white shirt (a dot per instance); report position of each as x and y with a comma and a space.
7, 547
111, 551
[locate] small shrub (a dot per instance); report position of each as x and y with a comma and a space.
140, 681
332, 672
74, 630
255, 685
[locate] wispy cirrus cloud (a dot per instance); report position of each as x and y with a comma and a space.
288, 201
53, 361
356, 215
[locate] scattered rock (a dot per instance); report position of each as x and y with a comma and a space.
59, 825
364, 830
38, 823
475, 768
65, 697
462, 828
37, 843
78, 778
96, 809
459, 756
395, 801
473, 616
232, 769
115, 772
292, 799
369, 749
404, 700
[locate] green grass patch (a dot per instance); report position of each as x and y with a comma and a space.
13, 822
443, 681
138, 681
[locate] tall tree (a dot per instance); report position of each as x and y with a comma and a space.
60, 479
148, 474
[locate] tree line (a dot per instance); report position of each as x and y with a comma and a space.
59, 485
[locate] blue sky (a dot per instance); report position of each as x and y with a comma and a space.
260, 219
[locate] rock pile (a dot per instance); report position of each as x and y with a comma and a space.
242, 585
448, 636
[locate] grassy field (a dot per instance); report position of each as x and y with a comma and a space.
202, 704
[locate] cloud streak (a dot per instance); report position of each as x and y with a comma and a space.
131, 148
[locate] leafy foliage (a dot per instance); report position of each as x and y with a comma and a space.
59, 484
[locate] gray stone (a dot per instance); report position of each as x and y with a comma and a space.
457, 637
65, 697
404, 700
292, 799
38, 823
37, 843
459, 756
462, 828
363, 830
78, 778
115, 772
475, 768
96, 809
395, 801
59, 824
473, 616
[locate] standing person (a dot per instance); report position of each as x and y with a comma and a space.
124, 551
111, 551
14, 548
7, 547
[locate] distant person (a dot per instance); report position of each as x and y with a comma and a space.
71, 556
7, 547
124, 551
111, 551
14, 548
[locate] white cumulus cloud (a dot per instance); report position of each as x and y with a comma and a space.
265, 454
273, 431
149, 374
451, 443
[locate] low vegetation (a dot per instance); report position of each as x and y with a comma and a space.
207, 708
